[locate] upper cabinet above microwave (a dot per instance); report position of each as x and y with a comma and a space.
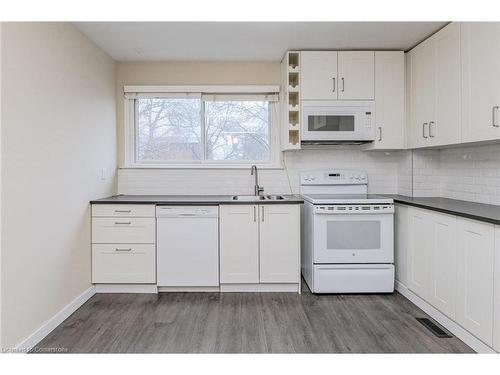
337, 75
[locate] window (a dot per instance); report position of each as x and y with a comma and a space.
202, 130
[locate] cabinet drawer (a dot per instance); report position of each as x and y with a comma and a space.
123, 210
123, 230
123, 264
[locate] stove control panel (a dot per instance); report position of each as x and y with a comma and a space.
334, 177
354, 209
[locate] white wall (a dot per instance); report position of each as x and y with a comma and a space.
58, 131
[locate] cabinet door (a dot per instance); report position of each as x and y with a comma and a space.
475, 267
239, 244
279, 243
444, 124
423, 93
318, 75
401, 243
480, 81
496, 307
442, 280
389, 99
419, 251
356, 73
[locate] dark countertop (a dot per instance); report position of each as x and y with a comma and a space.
189, 200
478, 211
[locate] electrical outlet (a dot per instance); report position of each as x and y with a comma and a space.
104, 174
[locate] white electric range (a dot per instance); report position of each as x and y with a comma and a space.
347, 234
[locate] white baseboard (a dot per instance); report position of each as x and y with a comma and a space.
166, 289
244, 288
32, 340
126, 288
469, 339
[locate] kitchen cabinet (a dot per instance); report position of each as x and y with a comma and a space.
432, 258
239, 244
356, 70
279, 243
442, 265
475, 272
123, 244
401, 243
259, 244
318, 75
496, 296
480, 43
389, 100
435, 89
337, 75
419, 249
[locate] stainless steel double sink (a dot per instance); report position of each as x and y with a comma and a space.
258, 198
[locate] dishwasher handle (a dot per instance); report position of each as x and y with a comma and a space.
187, 211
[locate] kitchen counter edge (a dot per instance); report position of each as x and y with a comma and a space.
470, 210
189, 200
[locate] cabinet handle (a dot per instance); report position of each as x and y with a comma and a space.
343, 84
254, 214
423, 130
123, 210
123, 222
333, 80
430, 129
123, 249
379, 133
494, 113
262, 213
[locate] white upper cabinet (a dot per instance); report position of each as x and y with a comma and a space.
480, 81
342, 75
444, 128
356, 73
389, 100
319, 75
435, 89
422, 94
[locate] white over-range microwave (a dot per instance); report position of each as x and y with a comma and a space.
334, 121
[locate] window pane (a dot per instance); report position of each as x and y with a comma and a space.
168, 129
237, 130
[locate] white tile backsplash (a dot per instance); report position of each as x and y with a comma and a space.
469, 173
382, 169
466, 173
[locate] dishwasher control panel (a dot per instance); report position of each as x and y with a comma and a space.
187, 211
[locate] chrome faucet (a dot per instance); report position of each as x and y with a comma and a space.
258, 189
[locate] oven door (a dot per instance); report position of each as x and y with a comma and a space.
353, 238
329, 121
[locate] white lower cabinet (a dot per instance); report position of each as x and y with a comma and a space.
123, 244
259, 244
239, 244
454, 265
496, 295
279, 243
401, 243
125, 263
475, 268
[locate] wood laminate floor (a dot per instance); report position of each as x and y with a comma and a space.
248, 323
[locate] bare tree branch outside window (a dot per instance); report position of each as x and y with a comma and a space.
169, 129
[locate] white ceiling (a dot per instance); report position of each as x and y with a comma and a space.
247, 41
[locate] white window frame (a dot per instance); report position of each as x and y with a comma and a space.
134, 92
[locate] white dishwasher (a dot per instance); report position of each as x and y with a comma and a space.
187, 246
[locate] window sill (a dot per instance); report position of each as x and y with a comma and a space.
203, 166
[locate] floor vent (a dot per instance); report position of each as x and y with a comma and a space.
435, 328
